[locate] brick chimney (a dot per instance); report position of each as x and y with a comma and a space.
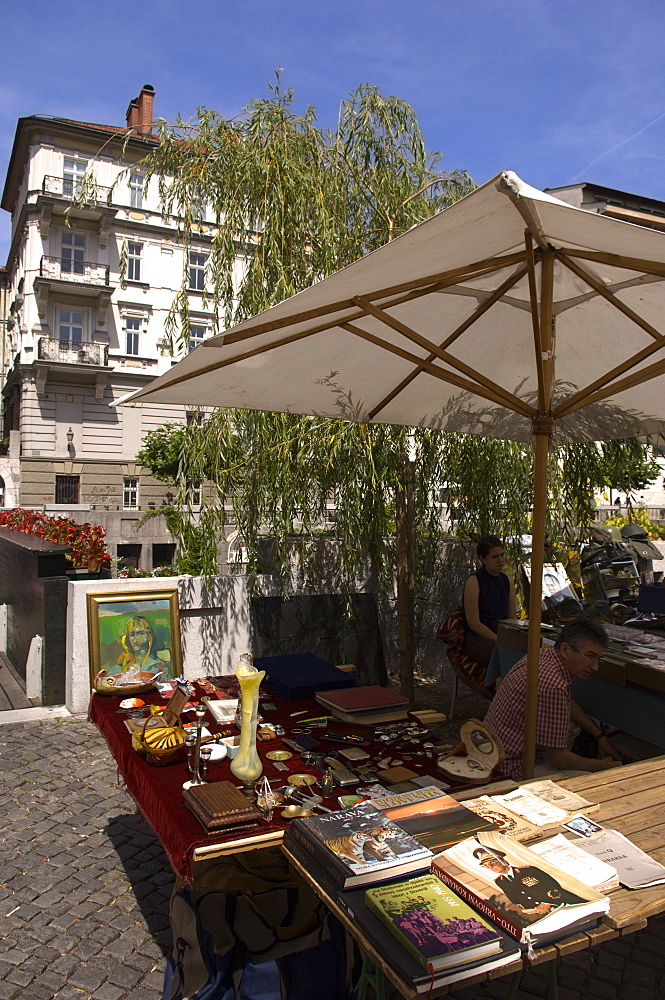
139, 111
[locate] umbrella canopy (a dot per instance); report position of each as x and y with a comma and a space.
509, 314
442, 328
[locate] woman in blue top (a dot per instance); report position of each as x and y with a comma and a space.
489, 596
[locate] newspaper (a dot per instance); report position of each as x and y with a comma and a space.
571, 858
635, 869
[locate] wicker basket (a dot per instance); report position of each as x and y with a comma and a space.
161, 738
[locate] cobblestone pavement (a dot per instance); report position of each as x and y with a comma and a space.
85, 886
84, 883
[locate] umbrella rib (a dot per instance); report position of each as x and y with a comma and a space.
487, 304
469, 271
535, 317
518, 406
637, 378
573, 402
479, 311
618, 260
608, 295
435, 352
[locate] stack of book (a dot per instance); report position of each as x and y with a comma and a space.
370, 705
357, 846
484, 899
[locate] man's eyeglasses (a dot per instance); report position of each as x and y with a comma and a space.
591, 657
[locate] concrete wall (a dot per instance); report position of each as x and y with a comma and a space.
214, 623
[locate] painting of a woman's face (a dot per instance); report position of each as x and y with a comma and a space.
138, 638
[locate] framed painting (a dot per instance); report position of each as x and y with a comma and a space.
138, 629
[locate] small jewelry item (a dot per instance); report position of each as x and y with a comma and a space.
265, 799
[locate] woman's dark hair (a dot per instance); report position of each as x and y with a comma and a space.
486, 544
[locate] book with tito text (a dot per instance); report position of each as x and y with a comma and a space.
359, 846
520, 891
434, 925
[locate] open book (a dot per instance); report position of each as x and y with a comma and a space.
528, 897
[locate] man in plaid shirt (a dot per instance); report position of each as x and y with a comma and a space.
575, 654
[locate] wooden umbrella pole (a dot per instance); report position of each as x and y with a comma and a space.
542, 430
406, 573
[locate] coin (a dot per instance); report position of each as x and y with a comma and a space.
302, 779
279, 755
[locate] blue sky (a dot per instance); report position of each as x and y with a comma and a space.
557, 90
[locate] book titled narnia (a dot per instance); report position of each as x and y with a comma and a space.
515, 888
434, 925
359, 846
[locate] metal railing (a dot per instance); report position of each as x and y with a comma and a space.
73, 352
81, 271
69, 187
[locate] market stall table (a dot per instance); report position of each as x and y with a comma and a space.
222, 862
157, 791
632, 801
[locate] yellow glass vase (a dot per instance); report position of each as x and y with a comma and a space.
246, 764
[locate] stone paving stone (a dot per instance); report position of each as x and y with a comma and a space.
108, 992
9, 990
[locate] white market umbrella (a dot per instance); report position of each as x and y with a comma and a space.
510, 314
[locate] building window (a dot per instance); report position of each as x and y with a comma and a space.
67, 489
197, 263
70, 326
72, 253
132, 334
130, 493
136, 190
72, 175
134, 251
194, 491
197, 334
195, 416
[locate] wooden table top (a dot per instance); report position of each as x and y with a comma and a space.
613, 666
632, 801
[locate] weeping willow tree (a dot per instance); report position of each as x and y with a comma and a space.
292, 203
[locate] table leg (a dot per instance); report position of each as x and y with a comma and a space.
373, 976
552, 985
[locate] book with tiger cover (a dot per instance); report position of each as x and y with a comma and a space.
438, 928
359, 846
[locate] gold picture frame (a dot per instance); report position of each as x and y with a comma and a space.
134, 629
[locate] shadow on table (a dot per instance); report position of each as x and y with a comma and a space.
148, 872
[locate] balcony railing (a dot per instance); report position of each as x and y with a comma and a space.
81, 271
73, 352
68, 187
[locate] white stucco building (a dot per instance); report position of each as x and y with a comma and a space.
81, 330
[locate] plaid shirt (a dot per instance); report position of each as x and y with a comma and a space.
506, 713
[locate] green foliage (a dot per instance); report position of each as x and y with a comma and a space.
294, 201
161, 450
297, 202
637, 515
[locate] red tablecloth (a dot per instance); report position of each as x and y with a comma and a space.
157, 791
